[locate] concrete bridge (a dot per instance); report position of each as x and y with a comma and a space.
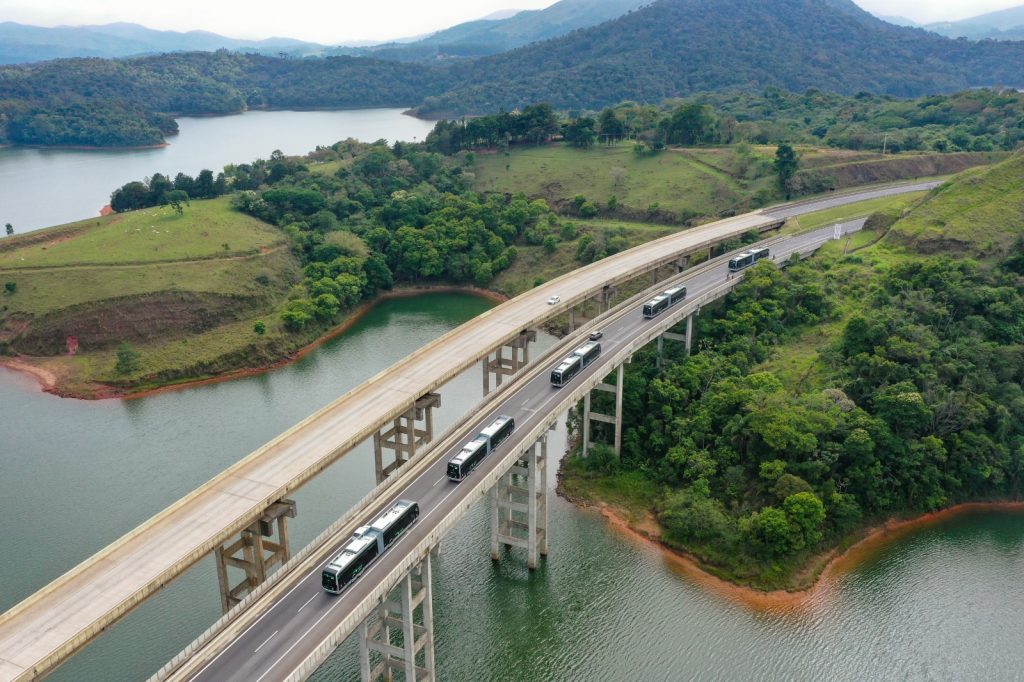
241, 515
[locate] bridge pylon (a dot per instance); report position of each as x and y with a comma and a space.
519, 506
686, 338
395, 641
405, 435
501, 366
257, 551
589, 415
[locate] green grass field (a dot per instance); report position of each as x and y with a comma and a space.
165, 282
671, 180
981, 213
840, 214
208, 229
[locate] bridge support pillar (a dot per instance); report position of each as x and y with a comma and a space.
689, 333
502, 367
519, 506
672, 337
395, 641
408, 432
257, 551
589, 415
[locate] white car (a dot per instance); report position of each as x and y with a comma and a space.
554, 299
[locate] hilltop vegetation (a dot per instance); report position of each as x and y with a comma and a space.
129, 102
673, 48
669, 49
827, 396
185, 289
980, 215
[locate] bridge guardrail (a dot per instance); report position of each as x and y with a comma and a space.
347, 524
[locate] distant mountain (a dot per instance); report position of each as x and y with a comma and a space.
898, 20
21, 43
678, 47
501, 14
1006, 24
492, 35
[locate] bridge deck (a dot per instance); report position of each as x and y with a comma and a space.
46, 628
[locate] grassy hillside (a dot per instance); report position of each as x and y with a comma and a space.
154, 280
680, 184
207, 229
981, 213
673, 181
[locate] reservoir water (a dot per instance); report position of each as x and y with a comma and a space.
44, 187
943, 604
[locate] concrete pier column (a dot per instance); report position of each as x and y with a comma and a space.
259, 549
501, 366
616, 420
519, 506
407, 433
689, 334
380, 653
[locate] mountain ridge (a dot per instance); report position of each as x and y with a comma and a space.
677, 47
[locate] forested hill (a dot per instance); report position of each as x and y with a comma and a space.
125, 102
678, 47
489, 36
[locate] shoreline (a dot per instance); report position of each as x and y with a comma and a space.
48, 381
830, 566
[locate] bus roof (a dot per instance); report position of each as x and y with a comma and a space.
495, 425
567, 363
351, 550
468, 449
586, 348
673, 290
390, 516
657, 299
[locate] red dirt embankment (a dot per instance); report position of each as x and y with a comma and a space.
836, 564
51, 383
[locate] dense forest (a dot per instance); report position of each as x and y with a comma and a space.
380, 215
976, 120
674, 48
669, 49
128, 102
921, 406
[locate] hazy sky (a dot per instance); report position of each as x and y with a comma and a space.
336, 21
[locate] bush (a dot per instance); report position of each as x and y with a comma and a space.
11, 287
127, 359
260, 328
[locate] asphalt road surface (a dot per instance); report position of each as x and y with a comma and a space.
304, 617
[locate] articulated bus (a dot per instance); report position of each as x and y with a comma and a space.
663, 301
575, 363
746, 259
367, 544
473, 452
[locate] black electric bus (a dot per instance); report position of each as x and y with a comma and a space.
572, 365
566, 370
367, 544
746, 259
663, 301
472, 453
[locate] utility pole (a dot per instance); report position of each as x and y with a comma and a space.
885, 143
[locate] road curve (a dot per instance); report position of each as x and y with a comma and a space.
290, 630
39, 633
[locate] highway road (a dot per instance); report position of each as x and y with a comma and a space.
43, 630
285, 635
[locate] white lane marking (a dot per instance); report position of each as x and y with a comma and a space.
438, 481
307, 603
335, 604
265, 642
